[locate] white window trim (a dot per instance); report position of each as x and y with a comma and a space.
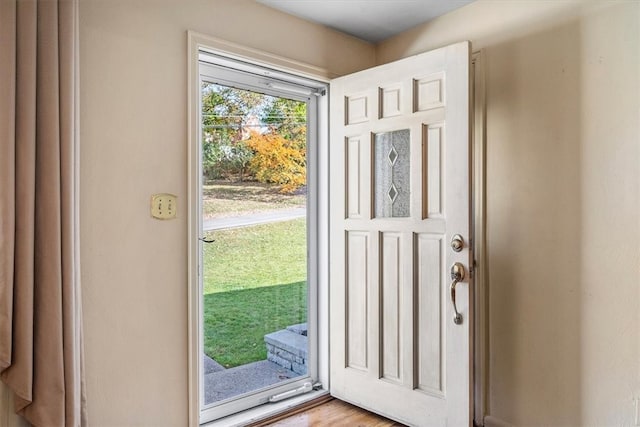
197, 43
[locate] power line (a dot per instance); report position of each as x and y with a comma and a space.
232, 126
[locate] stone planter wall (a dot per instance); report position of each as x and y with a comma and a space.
288, 348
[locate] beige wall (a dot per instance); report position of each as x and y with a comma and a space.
134, 143
563, 205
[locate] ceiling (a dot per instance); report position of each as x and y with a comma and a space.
370, 20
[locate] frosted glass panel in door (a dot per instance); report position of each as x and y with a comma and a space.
391, 174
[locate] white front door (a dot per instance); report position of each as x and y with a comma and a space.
399, 186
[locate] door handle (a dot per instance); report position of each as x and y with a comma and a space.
457, 275
205, 240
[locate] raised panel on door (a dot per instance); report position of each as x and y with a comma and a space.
400, 139
355, 153
357, 296
428, 313
391, 306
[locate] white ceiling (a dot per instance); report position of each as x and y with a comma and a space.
371, 20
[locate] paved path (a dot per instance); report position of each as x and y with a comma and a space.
242, 379
253, 219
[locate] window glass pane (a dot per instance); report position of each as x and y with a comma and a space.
254, 252
391, 174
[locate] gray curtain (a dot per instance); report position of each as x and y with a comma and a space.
41, 358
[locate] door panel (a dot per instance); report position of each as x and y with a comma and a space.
357, 320
399, 151
429, 301
390, 306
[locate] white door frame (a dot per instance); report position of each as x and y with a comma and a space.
197, 42
478, 233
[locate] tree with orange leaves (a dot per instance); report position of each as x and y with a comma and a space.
277, 160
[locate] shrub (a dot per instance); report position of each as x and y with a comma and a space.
277, 160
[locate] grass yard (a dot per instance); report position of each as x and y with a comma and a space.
237, 321
253, 257
224, 199
254, 284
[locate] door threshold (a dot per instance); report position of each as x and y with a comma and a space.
266, 414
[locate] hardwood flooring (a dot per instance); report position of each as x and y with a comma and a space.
332, 412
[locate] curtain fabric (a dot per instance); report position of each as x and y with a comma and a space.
41, 357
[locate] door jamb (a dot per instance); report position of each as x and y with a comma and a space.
480, 342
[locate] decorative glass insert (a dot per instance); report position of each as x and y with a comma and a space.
391, 174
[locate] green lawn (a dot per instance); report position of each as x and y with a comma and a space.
254, 284
251, 257
236, 322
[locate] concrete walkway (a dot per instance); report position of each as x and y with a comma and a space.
253, 219
226, 383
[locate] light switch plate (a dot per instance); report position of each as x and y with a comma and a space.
163, 206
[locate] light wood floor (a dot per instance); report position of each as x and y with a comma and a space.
333, 412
